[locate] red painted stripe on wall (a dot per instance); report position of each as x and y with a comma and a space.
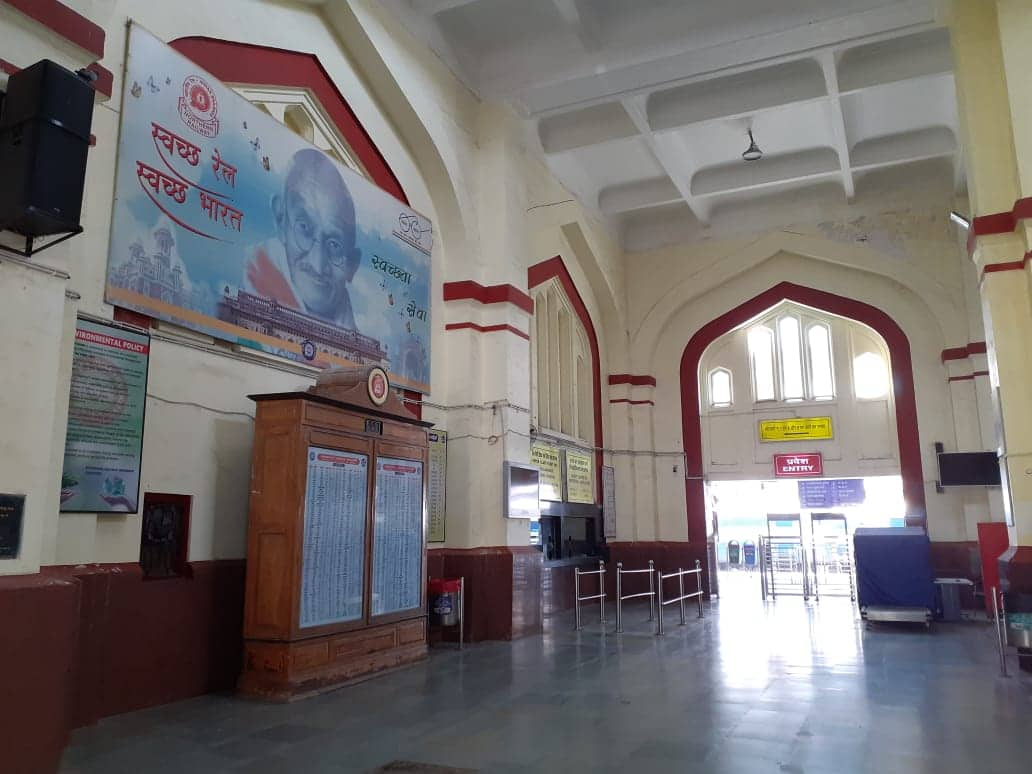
959, 353
633, 402
967, 377
485, 328
1002, 222
635, 380
62, 20
488, 294
992, 268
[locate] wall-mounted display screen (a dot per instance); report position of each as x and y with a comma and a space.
969, 469
522, 488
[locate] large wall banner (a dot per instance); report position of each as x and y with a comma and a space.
104, 440
228, 223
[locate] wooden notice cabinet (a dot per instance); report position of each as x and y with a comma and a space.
336, 543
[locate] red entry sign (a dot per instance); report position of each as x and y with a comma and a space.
798, 465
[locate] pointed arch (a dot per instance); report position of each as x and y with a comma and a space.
902, 379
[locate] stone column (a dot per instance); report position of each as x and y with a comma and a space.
992, 56
488, 323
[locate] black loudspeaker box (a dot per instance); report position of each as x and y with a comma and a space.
44, 140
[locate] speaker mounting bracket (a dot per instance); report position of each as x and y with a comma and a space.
31, 247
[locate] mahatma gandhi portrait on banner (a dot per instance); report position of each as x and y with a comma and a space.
313, 259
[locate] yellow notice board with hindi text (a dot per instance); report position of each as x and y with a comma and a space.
546, 458
580, 481
796, 429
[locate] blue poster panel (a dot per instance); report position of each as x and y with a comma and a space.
227, 222
106, 404
831, 492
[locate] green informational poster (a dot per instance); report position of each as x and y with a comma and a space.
104, 442
437, 485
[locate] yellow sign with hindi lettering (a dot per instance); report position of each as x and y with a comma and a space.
547, 460
580, 479
796, 429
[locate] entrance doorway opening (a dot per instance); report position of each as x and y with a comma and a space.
793, 538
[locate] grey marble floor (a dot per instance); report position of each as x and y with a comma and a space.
782, 687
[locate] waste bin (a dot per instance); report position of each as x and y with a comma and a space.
444, 601
949, 592
749, 553
734, 552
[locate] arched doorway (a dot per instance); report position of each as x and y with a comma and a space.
902, 383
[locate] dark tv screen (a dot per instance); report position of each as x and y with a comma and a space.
969, 469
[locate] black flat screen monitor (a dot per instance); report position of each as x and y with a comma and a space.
969, 469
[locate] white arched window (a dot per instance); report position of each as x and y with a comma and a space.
761, 360
561, 380
870, 376
822, 380
721, 392
791, 359
303, 115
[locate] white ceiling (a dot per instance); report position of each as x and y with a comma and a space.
641, 107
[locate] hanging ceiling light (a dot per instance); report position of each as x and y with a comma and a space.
753, 152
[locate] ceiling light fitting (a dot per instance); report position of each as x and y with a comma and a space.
959, 219
753, 152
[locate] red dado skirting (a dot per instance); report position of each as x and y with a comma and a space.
503, 588
81, 643
488, 294
668, 555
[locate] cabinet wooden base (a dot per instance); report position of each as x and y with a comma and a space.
283, 671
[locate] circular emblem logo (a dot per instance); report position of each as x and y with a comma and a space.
198, 107
378, 385
308, 350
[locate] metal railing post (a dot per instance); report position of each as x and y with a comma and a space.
698, 577
576, 593
652, 590
763, 567
680, 591
1003, 617
659, 600
619, 598
999, 635
601, 591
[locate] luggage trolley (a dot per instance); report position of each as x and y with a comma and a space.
783, 557
831, 559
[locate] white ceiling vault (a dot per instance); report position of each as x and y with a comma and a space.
642, 107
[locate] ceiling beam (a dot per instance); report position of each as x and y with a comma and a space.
666, 155
838, 122
434, 7
585, 88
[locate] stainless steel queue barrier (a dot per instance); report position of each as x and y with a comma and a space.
681, 596
651, 593
1000, 621
601, 596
